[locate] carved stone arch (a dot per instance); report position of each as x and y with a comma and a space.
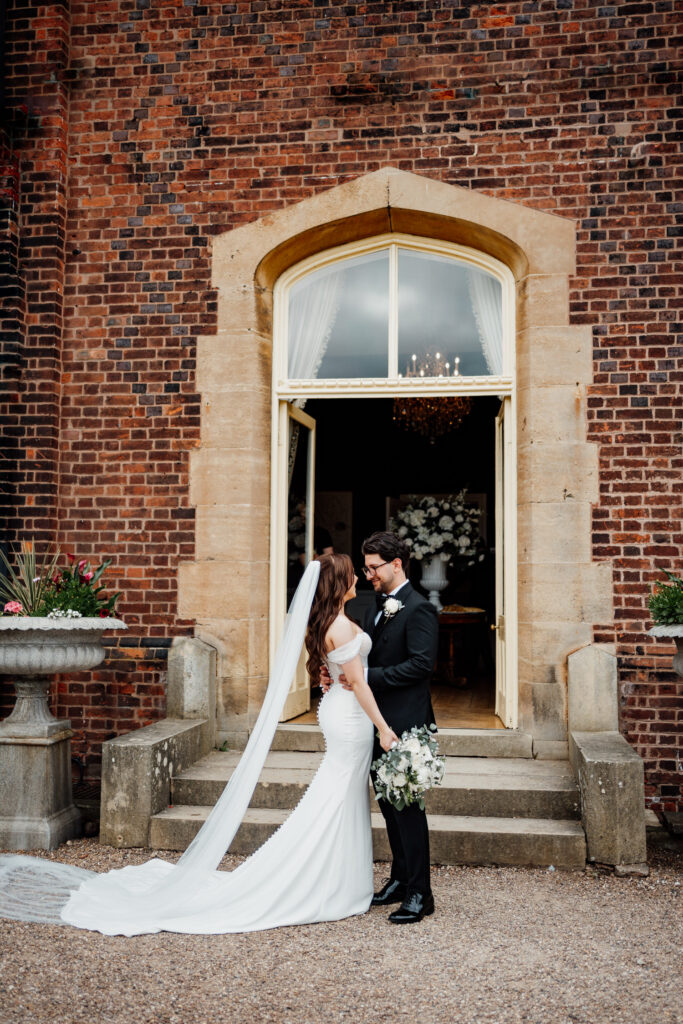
561, 591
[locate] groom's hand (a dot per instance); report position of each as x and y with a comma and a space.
345, 683
325, 680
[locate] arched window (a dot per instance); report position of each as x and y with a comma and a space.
396, 310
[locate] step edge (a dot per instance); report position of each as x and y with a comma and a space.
276, 815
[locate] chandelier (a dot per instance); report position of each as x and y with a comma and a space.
431, 416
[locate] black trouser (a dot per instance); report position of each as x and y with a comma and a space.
409, 841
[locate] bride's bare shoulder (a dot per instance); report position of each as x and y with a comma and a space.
340, 632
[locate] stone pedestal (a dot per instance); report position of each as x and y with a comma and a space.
36, 806
673, 633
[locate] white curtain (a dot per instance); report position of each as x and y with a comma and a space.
485, 293
313, 308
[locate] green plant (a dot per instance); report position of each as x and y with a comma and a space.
26, 586
70, 592
666, 601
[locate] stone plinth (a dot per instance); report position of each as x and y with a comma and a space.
36, 807
611, 780
136, 775
592, 689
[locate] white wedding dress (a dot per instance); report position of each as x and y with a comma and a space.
316, 867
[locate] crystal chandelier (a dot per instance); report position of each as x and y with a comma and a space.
431, 416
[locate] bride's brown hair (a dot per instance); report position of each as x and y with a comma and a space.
336, 577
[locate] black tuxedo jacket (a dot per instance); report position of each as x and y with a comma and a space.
402, 659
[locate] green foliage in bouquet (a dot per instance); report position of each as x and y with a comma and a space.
412, 766
666, 602
45, 590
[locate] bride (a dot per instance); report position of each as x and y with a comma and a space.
316, 867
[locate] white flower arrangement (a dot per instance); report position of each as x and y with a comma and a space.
392, 606
447, 527
412, 766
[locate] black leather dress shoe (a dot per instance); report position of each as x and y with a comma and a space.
392, 892
414, 907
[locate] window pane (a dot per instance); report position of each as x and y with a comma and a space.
339, 320
447, 307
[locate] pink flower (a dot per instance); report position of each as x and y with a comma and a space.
83, 562
88, 576
72, 558
13, 608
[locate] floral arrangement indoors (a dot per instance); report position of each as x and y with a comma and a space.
69, 592
447, 527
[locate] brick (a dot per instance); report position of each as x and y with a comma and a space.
171, 136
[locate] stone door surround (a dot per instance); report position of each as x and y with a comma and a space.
561, 591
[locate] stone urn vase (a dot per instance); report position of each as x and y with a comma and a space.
672, 632
434, 579
36, 806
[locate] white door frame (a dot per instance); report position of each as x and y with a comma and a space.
286, 391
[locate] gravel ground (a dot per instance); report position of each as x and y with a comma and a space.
505, 945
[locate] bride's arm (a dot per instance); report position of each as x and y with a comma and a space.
355, 676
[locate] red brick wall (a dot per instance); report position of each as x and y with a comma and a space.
186, 119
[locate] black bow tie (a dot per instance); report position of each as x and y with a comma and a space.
380, 601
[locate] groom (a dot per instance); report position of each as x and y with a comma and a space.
404, 648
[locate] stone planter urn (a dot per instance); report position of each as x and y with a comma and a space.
36, 806
672, 632
434, 579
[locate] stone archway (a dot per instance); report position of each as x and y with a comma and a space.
561, 591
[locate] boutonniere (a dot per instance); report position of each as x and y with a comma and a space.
392, 606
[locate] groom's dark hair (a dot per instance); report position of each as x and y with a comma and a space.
388, 546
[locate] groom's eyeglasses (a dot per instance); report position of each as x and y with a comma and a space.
371, 570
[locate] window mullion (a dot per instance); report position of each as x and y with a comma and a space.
393, 311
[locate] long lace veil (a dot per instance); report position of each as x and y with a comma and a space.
36, 889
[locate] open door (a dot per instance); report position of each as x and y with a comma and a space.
506, 568
296, 452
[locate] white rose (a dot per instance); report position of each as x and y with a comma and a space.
398, 781
463, 542
412, 745
391, 606
382, 773
424, 776
446, 522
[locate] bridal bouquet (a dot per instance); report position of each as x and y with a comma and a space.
405, 773
447, 527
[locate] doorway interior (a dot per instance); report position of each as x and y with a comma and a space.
366, 463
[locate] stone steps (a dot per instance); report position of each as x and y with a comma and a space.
472, 786
497, 805
454, 839
455, 742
